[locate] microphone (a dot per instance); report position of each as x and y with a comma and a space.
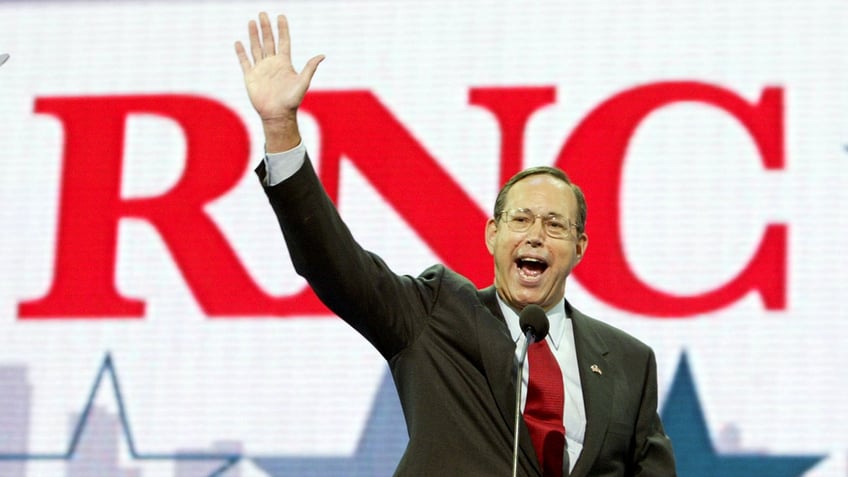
3, 58
534, 321
535, 325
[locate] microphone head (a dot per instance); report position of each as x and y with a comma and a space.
534, 319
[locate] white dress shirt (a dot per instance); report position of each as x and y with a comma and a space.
561, 341
279, 166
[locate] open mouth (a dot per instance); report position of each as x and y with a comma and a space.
531, 267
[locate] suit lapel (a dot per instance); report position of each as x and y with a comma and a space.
498, 356
497, 351
598, 388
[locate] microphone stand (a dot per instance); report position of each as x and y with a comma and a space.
529, 337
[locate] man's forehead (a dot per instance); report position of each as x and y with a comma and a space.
545, 187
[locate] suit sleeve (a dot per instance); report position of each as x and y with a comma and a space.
654, 456
387, 309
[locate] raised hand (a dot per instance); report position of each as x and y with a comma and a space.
274, 87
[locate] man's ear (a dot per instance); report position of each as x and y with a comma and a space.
491, 235
581, 245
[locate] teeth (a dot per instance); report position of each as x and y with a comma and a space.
529, 259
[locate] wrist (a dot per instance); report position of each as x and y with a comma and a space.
281, 134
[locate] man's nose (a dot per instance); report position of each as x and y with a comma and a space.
536, 233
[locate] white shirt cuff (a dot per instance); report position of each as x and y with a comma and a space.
279, 166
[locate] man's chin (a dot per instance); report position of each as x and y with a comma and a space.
533, 298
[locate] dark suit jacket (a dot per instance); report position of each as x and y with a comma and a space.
453, 360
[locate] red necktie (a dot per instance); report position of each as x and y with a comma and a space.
543, 409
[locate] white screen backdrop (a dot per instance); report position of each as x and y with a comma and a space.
150, 319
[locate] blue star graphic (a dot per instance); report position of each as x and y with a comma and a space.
222, 462
684, 422
379, 450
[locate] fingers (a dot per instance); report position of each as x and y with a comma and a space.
242, 57
255, 45
285, 39
267, 35
262, 44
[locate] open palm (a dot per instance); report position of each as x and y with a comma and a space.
274, 87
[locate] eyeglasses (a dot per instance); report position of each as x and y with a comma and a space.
555, 225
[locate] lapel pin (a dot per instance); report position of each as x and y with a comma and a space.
596, 369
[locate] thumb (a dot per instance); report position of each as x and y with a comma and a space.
310, 68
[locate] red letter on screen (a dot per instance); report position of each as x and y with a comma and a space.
594, 157
91, 207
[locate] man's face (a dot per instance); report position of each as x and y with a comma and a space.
532, 266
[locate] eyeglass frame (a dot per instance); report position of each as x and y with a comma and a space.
545, 220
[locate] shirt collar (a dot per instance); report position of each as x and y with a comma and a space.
556, 317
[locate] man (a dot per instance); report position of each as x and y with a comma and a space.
451, 347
